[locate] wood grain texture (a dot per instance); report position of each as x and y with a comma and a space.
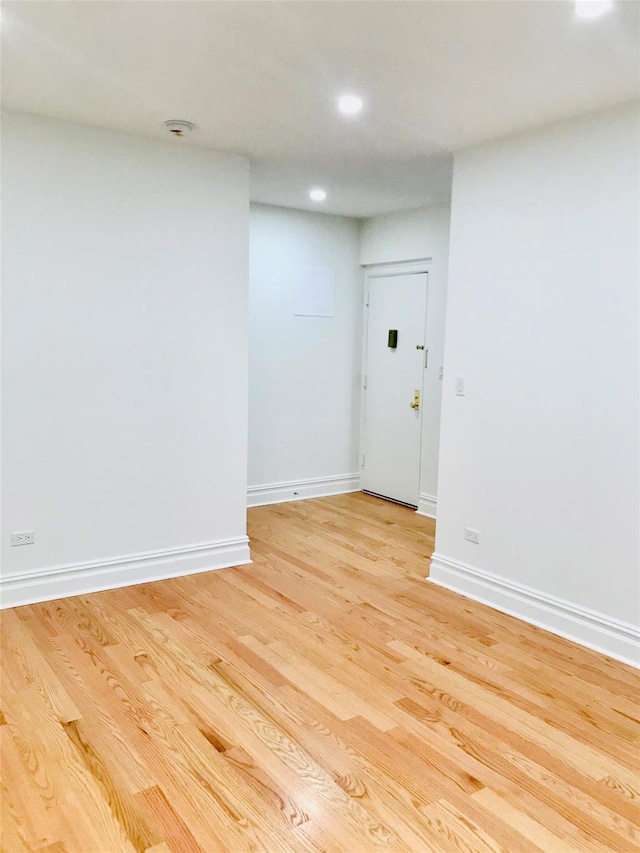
324, 699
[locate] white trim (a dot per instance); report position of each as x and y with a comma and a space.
611, 637
128, 570
427, 505
381, 269
297, 490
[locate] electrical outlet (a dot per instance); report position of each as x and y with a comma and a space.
23, 537
472, 535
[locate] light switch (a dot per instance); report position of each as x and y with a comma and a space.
460, 386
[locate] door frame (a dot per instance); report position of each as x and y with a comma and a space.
389, 269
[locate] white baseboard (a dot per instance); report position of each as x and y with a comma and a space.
427, 505
128, 570
619, 640
297, 490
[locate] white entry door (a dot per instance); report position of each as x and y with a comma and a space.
394, 373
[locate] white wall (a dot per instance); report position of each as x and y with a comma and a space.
124, 334
542, 454
407, 236
304, 371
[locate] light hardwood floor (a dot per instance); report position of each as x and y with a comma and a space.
325, 698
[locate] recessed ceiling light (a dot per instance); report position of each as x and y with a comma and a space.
179, 127
349, 105
317, 194
592, 8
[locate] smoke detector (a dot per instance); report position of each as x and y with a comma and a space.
178, 127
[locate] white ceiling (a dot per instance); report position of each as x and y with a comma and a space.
260, 78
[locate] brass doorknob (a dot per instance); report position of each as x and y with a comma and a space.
415, 403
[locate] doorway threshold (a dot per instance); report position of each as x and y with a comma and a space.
391, 500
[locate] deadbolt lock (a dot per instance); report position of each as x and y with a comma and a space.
415, 403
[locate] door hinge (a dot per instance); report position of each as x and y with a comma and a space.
364, 381
362, 462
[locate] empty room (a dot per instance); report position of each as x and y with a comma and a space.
320, 426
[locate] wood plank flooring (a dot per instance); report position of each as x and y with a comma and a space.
325, 698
